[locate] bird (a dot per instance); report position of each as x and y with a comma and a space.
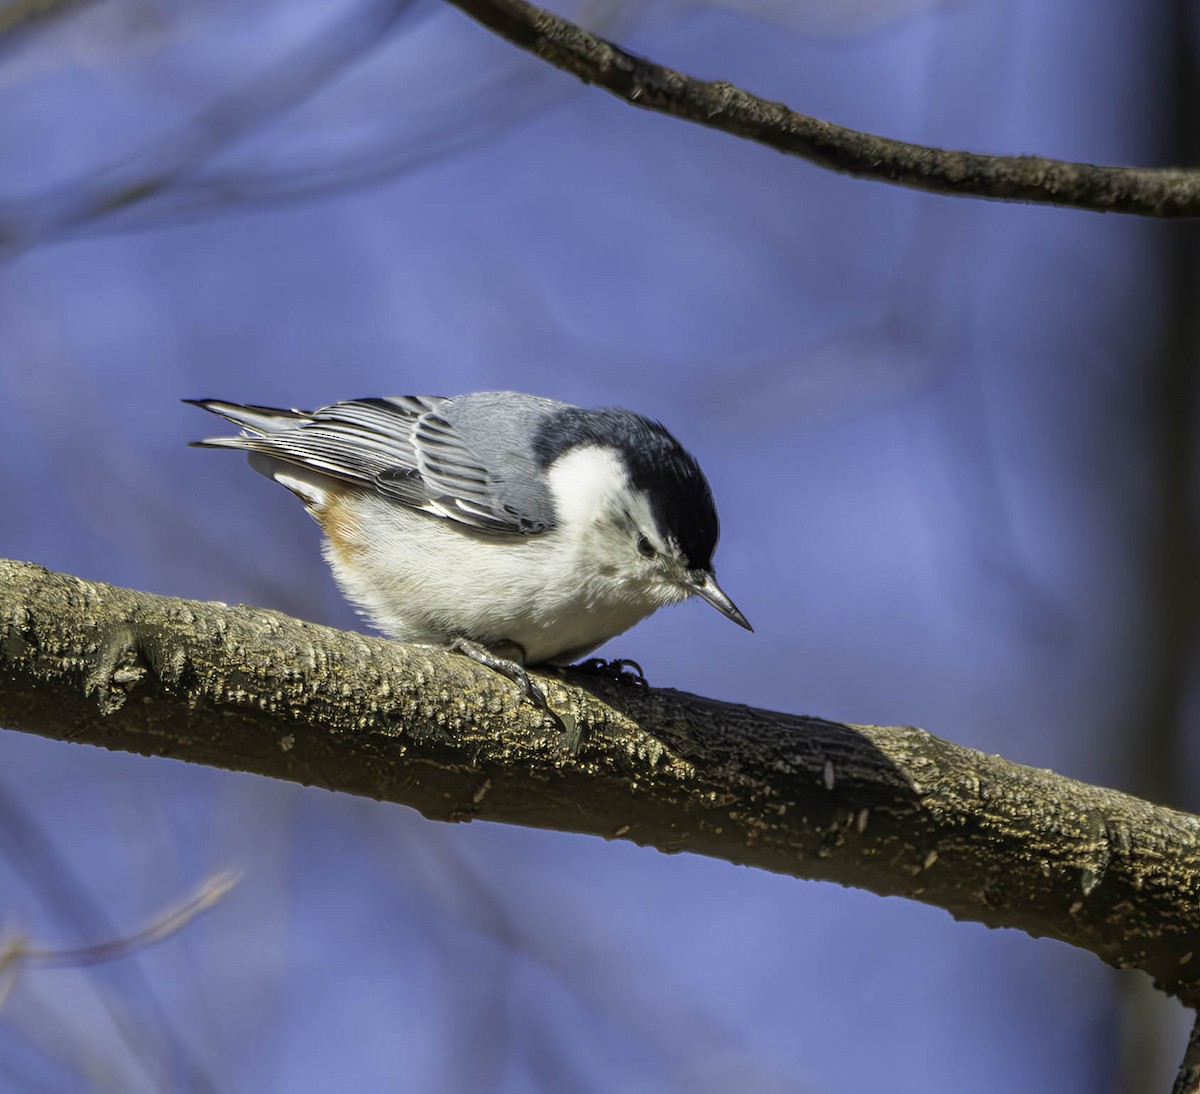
515, 529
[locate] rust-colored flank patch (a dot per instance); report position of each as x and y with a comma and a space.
339, 526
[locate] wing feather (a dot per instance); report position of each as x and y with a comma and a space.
399, 446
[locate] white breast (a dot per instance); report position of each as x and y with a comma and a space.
558, 595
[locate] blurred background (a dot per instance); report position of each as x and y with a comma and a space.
951, 442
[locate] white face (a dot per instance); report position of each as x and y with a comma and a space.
612, 525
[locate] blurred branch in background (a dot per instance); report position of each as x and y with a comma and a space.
283, 85
186, 174
1160, 192
160, 1049
18, 954
893, 810
19, 17
491, 943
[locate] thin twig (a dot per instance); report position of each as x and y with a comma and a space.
33, 852
1142, 191
214, 889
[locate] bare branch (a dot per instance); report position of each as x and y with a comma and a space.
1143, 191
890, 809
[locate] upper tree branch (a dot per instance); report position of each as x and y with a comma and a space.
894, 810
1160, 192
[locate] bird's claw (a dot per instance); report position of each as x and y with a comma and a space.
622, 670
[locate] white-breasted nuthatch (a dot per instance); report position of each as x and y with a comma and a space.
517, 529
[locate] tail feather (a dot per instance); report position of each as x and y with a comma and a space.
242, 441
257, 419
261, 426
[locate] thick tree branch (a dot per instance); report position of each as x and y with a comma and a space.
1158, 192
891, 809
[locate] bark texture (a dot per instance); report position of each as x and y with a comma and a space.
1144, 191
890, 809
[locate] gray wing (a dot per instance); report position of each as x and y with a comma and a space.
416, 450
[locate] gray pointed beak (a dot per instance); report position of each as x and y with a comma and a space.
704, 584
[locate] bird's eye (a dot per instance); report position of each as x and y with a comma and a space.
645, 547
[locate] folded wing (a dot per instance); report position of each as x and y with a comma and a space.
399, 446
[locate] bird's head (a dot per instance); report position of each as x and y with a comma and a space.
638, 507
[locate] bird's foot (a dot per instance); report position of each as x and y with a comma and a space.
620, 669
514, 668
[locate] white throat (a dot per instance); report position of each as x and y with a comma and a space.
585, 483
